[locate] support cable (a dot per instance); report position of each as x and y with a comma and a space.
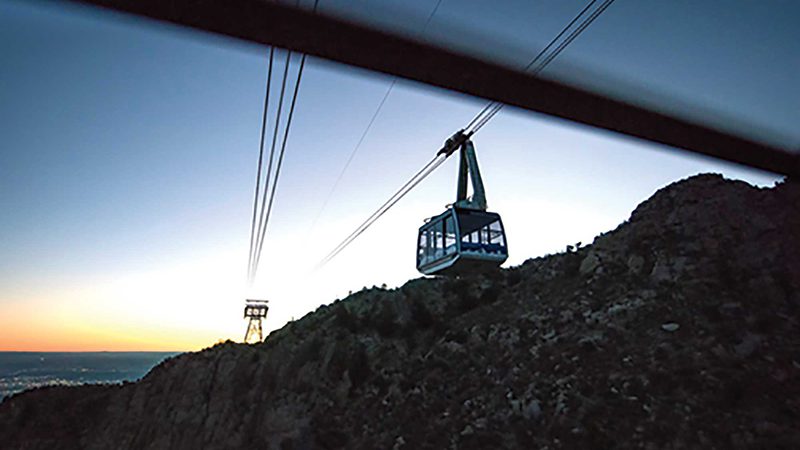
353, 153
369, 126
399, 194
257, 235
261, 219
533, 61
280, 161
258, 171
492, 108
575, 33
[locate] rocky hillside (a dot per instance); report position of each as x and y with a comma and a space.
678, 329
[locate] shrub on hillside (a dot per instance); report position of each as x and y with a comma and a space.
385, 322
420, 315
343, 318
359, 369
490, 294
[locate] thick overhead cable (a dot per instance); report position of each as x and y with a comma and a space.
264, 213
280, 160
574, 34
353, 152
490, 105
492, 108
258, 171
267, 185
399, 194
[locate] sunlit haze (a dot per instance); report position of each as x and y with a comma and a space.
128, 161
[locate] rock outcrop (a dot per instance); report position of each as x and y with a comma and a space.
677, 329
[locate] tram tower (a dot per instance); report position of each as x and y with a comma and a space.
255, 311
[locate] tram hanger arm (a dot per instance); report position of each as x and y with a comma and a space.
469, 166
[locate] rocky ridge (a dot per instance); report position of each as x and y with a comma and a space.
677, 329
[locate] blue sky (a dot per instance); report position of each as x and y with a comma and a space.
129, 150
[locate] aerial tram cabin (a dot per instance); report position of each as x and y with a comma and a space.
465, 238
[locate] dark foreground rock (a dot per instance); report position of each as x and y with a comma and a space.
679, 329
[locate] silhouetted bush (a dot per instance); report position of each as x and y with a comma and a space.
328, 433
490, 294
464, 292
514, 277
458, 287
385, 323
242, 377
287, 444
494, 274
457, 335
467, 302
571, 263
420, 314
339, 362
309, 351
343, 318
359, 366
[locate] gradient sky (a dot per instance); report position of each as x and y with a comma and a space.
128, 156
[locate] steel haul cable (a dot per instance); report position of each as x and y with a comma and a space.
280, 159
494, 107
264, 213
490, 105
258, 171
369, 126
261, 219
399, 194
